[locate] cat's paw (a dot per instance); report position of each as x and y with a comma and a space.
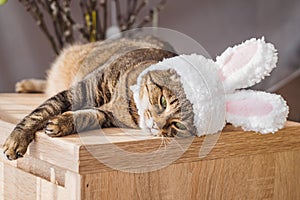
60, 125
16, 145
24, 86
30, 85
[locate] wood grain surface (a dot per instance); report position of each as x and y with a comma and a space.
127, 164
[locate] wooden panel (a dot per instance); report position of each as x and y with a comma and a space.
246, 177
73, 186
232, 142
287, 171
57, 151
20, 185
1, 179
39, 168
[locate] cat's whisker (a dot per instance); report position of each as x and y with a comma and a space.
161, 143
165, 143
168, 139
179, 145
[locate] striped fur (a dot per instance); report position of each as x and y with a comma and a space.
93, 92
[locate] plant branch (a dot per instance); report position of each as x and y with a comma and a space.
34, 10
95, 18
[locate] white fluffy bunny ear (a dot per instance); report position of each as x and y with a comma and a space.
246, 64
256, 111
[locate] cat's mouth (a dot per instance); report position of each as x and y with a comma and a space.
149, 125
154, 131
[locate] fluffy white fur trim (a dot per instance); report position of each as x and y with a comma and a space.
260, 65
263, 123
202, 86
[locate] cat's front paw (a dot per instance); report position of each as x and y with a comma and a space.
60, 125
16, 145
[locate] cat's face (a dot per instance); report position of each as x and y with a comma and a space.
165, 111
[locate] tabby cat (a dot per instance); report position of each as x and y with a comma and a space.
90, 88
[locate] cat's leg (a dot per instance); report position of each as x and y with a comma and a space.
82, 95
17, 142
76, 121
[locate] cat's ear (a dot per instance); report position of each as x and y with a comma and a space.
246, 64
173, 75
256, 111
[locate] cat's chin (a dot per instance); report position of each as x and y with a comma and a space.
154, 132
150, 131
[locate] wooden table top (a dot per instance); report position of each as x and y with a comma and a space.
78, 153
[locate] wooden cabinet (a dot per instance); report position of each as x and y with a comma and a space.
116, 163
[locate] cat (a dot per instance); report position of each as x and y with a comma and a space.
89, 88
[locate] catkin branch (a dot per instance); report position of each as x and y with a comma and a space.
32, 7
148, 18
63, 29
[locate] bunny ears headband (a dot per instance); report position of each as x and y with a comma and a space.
212, 87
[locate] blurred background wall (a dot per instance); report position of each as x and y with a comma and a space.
215, 24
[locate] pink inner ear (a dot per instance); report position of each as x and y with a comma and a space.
249, 107
238, 59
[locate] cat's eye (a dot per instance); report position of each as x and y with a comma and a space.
163, 101
180, 126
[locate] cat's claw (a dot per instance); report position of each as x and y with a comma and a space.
53, 129
15, 146
10, 157
60, 125
49, 131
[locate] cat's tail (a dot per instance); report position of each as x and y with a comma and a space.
31, 86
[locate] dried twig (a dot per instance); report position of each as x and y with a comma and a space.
149, 17
95, 18
32, 7
104, 7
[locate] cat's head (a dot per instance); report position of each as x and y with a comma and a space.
175, 98
207, 92
162, 105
